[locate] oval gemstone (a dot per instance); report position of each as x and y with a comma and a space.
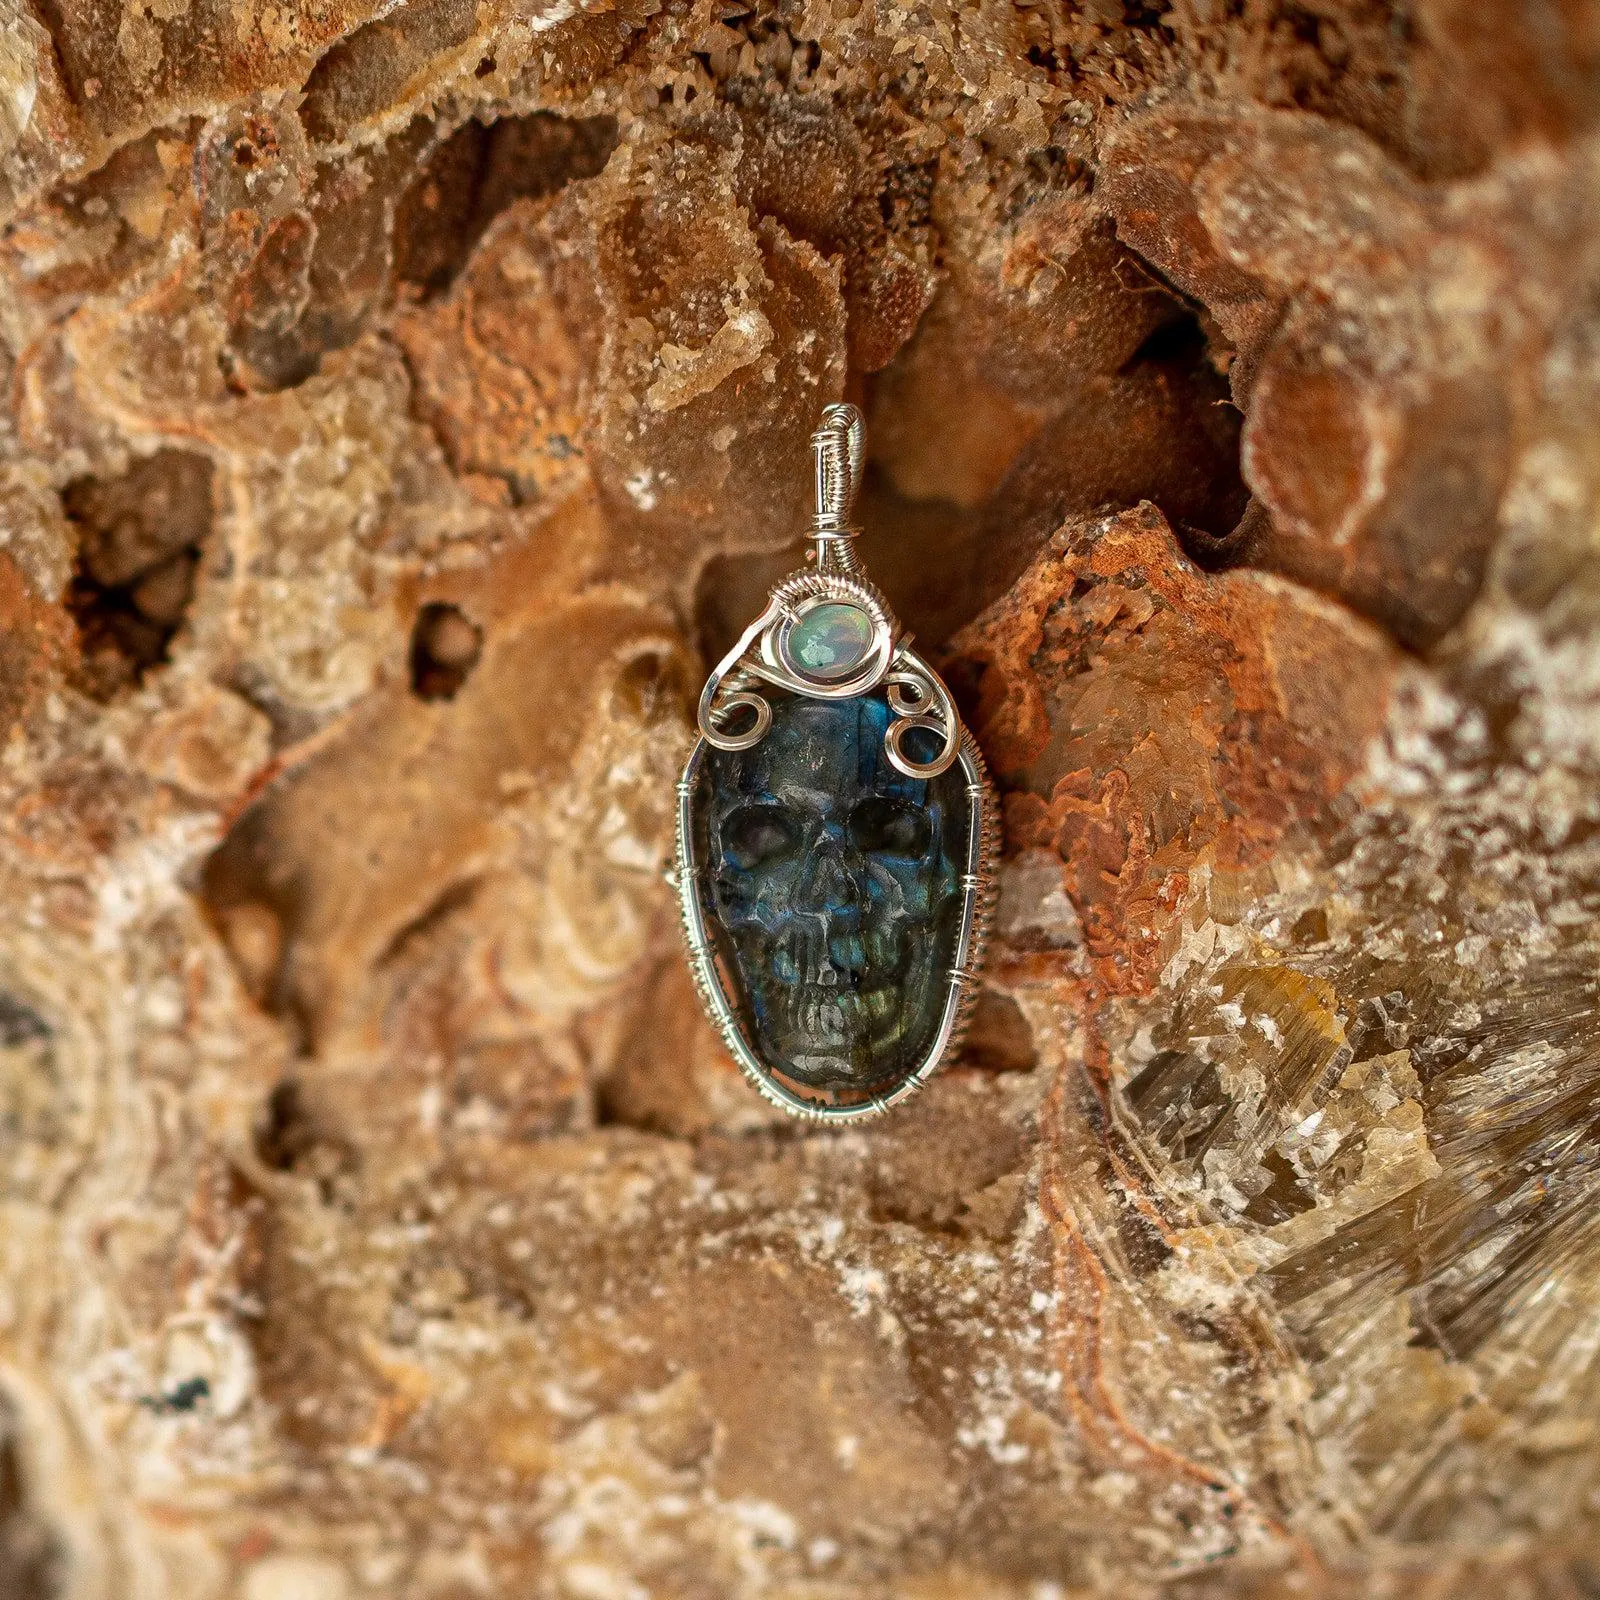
831, 640
831, 886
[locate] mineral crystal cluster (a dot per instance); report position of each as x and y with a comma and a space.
403, 404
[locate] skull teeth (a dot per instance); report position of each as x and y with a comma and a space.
841, 1014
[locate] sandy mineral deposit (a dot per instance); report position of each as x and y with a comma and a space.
403, 403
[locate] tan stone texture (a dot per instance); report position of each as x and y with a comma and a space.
403, 403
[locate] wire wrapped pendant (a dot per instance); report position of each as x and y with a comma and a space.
837, 833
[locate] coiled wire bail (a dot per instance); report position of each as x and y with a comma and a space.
836, 449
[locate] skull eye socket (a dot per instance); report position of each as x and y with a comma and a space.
758, 833
880, 825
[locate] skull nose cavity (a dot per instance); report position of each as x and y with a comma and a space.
833, 888
836, 904
847, 954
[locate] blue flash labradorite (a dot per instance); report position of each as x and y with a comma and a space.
832, 887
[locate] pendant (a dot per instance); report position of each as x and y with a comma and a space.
837, 834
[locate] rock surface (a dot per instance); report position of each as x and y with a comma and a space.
403, 404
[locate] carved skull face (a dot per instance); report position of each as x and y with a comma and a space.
835, 878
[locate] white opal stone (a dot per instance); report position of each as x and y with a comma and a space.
831, 641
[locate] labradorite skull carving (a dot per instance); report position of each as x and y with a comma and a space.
836, 884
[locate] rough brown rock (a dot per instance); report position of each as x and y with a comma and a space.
402, 403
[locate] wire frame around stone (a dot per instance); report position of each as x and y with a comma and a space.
961, 977
828, 633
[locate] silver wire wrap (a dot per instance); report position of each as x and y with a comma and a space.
734, 712
837, 449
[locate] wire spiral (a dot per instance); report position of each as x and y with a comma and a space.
837, 448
